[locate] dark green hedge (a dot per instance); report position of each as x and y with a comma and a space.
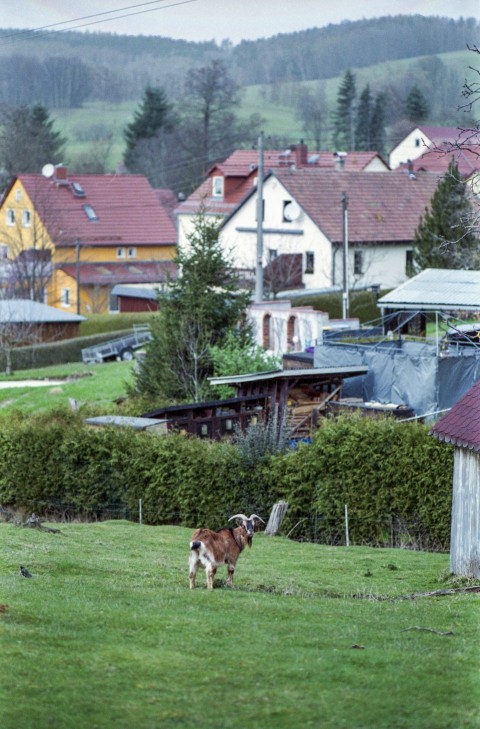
53, 353
394, 478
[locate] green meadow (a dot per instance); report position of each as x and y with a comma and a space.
107, 635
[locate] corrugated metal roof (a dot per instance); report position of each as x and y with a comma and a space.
289, 373
22, 311
436, 289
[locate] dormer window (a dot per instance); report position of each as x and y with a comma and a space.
120, 252
217, 186
90, 213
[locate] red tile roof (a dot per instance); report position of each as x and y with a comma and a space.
461, 426
382, 207
468, 161
240, 172
128, 210
99, 274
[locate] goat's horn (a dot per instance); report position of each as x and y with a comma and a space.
239, 516
255, 516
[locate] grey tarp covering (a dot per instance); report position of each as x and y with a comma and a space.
404, 373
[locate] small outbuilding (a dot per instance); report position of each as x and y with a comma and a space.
461, 427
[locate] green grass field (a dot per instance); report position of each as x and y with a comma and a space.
107, 635
97, 385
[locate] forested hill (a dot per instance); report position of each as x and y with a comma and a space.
63, 69
327, 52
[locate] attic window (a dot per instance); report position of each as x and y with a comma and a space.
90, 213
78, 189
217, 186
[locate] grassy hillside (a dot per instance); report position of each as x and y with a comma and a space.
81, 125
107, 634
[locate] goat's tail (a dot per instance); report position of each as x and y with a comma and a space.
195, 545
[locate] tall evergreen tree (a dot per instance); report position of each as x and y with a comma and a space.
416, 106
203, 306
444, 237
363, 127
28, 140
344, 115
378, 134
155, 114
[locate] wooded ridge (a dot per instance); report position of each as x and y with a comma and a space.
110, 67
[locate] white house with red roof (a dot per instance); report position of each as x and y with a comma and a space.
304, 222
96, 231
420, 140
229, 182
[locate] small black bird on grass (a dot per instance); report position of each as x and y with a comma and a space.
25, 572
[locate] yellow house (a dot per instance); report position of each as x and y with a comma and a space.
67, 240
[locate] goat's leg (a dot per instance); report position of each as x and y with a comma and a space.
231, 570
193, 567
211, 572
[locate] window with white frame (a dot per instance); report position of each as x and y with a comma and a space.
26, 218
120, 252
132, 252
18, 194
217, 186
11, 216
65, 297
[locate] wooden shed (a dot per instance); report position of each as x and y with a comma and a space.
461, 427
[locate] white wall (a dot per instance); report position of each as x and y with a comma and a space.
413, 146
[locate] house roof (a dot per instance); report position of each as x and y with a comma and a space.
109, 274
461, 425
126, 209
241, 168
22, 311
137, 291
439, 135
436, 289
437, 160
381, 207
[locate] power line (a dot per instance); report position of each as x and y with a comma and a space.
31, 31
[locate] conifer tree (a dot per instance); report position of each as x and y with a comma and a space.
153, 115
28, 140
416, 106
202, 307
363, 127
444, 237
344, 115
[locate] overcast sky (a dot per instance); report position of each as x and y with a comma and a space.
199, 20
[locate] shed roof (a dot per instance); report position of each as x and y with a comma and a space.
109, 274
461, 425
436, 289
22, 311
305, 373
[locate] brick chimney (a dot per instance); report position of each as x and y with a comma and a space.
301, 153
60, 174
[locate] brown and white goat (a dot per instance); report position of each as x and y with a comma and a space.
212, 549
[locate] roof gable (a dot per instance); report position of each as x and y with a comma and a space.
381, 207
461, 426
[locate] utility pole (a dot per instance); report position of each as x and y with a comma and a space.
77, 272
259, 266
345, 305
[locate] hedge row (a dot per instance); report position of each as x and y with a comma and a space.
53, 353
393, 477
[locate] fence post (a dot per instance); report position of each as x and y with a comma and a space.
347, 535
140, 514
